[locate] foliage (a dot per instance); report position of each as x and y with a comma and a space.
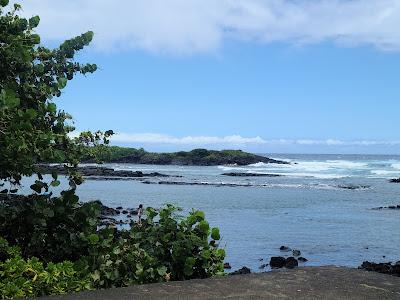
115, 260
183, 246
32, 129
166, 247
54, 245
21, 277
52, 229
194, 157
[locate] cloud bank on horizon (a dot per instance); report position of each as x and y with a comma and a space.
237, 140
202, 26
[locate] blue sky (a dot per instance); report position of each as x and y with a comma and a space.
316, 82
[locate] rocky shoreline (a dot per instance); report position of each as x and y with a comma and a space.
293, 259
384, 268
99, 172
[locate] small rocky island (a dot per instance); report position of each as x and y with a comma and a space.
196, 157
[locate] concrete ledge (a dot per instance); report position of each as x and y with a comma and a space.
302, 283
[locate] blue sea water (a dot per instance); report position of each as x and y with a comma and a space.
306, 209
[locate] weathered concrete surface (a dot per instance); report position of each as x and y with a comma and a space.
302, 283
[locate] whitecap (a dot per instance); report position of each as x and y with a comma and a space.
396, 166
385, 172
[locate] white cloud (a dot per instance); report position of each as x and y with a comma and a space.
153, 138
201, 26
237, 140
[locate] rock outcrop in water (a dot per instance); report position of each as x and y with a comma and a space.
242, 271
387, 207
99, 173
385, 268
353, 187
238, 174
395, 180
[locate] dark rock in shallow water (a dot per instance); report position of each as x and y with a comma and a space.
108, 211
385, 268
387, 207
291, 262
199, 183
244, 270
395, 180
354, 187
99, 173
227, 266
284, 248
277, 262
302, 259
263, 266
296, 252
237, 174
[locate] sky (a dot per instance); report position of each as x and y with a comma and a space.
267, 76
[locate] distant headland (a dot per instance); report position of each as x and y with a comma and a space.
196, 157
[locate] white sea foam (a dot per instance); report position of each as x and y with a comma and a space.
259, 164
316, 175
396, 166
385, 172
347, 164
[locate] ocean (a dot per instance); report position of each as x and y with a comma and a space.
322, 205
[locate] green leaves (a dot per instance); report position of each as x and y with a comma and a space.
9, 99
162, 270
189, 264
21, 277
34, 21
52, 107
4, 3
32, 130
93, 238
203, 227
37, 186
30, 114
215, 234
35, 39
55, 183
62, 82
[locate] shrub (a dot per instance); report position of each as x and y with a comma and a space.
52, 229
21, 277
182, 245
166, 247
114, 260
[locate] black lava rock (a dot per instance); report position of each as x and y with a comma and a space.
284, 248
227, 266
385, 268
242, 271
291, 262
302, 259
277, 262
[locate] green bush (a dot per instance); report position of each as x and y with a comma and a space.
62, 247
114, 260
171, 248
21, 277
182, 245
52, 229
